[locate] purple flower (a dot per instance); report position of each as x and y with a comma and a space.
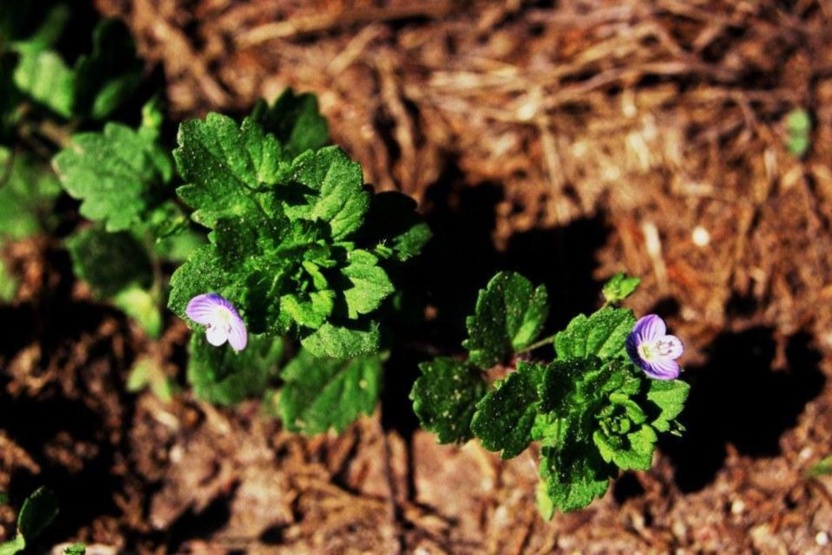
653, 350
221, 320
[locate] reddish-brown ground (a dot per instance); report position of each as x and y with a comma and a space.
566, 142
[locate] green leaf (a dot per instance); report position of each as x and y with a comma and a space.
141, 306
670, 397
509, 315
109, 262
574, 475
147, 372
43, 75
75, 549
319, 394
338, 182
602, 334
224, 164
370, 284
110, 74
505, 417
559, 389
619, 287
37, 512
295, 121
445, 398
26, 197
337, 342
220, 375
117, 174
11, 547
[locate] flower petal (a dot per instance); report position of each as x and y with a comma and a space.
662, 369
650, 327
237, 335
675, 347
216, 335
202, 309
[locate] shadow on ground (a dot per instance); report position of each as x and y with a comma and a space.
738, 397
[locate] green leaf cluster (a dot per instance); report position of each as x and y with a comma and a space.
590, 409
290, 242
509, 315
124, 177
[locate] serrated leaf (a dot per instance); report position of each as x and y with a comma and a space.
295, 121
619, 287
370, 284
571, 385
574, 475
670, 397
322, 394
509, 315
602, 334
223, 163
116, 174
338, 342
225, 377
37, 512
341, 199
109, 262
445, 398
505, 417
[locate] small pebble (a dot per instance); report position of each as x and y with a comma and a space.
700, 236
822, 538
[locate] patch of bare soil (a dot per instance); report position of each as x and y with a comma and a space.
565, 140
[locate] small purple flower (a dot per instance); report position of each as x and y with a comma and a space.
221, 320
653, 350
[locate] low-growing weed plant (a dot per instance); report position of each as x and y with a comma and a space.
266, 241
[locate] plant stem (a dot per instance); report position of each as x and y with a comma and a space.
537, 344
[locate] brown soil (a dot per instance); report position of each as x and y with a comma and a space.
565, 142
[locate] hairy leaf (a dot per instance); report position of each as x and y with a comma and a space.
670, 397
339, 197
509, 315
224, 165
322, 394
619, 287
370, 284
337, 342
117, 174
445, 398
505, 417
602, 334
